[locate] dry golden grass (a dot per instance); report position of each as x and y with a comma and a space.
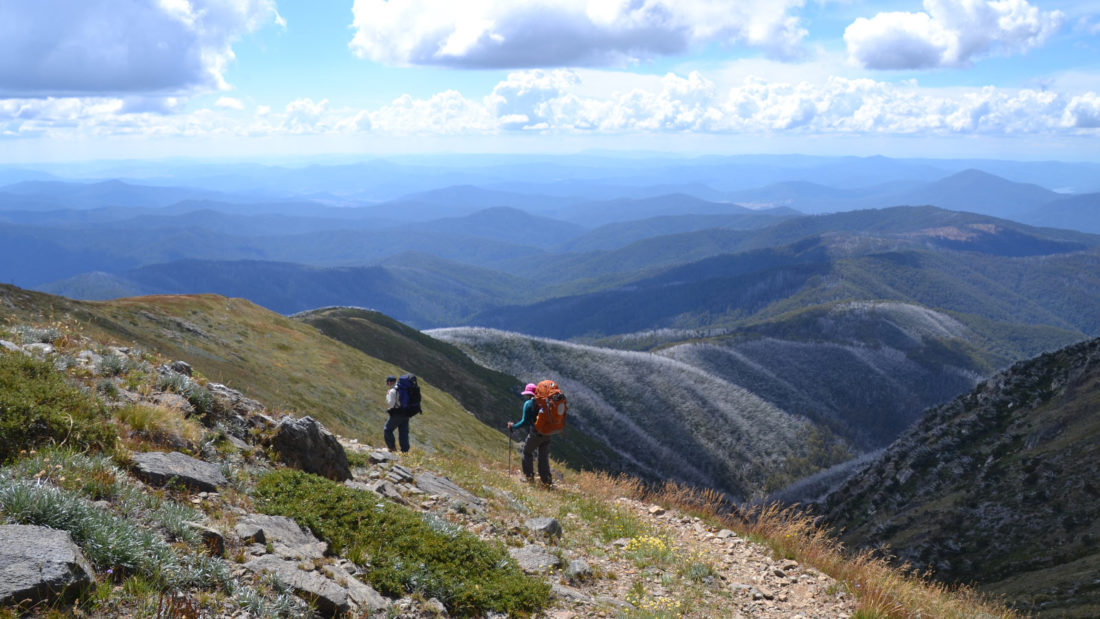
159, 425
882, 589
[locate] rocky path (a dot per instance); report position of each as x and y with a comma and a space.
749, 581
699, 571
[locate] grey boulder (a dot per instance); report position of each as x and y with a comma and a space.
329, 598
549, 527
533, 559
39, 563
285, 536
305, 444
158, 468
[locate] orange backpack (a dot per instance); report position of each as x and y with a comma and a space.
551, 403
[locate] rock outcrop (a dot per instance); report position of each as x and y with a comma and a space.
39, 563
160, 468
287, 539
329, 598
305, 444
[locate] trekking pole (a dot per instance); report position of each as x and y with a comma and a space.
509, 452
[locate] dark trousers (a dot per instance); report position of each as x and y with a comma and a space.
401, 424
541, 444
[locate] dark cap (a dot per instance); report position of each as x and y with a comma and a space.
391, 378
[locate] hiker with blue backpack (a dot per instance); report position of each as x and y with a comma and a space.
402, 403
544, 412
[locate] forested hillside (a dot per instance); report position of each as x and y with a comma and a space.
664, 419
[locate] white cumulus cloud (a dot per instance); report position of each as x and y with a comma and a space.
1083, 112
556, 103
445, 113
522, 101
305, 115
562, 33
949, 33
229, 103
118, 47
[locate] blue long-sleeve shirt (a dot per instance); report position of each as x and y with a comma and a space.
530, 411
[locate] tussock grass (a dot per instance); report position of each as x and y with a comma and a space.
94, 477
160, 425
113, 365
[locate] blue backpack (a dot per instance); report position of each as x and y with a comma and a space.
408, 395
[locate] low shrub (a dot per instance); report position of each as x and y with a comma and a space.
39, 407
112, 365
201, 398
198, 395
400, 551
697, 569
37, 335
108, 388
173, 381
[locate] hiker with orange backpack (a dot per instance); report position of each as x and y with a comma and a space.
544, 412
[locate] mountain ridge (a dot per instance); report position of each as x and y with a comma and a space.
996, 486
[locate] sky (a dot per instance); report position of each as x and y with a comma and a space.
122, 79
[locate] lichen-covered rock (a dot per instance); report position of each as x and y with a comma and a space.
233, 400
305, 444
365, 598
437, 485
40, 564
159, 468
285, 536
549, 527
534, 559
330, 598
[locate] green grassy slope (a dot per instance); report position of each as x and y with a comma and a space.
493, 397
284, 363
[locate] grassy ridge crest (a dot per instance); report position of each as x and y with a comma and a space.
282, 362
